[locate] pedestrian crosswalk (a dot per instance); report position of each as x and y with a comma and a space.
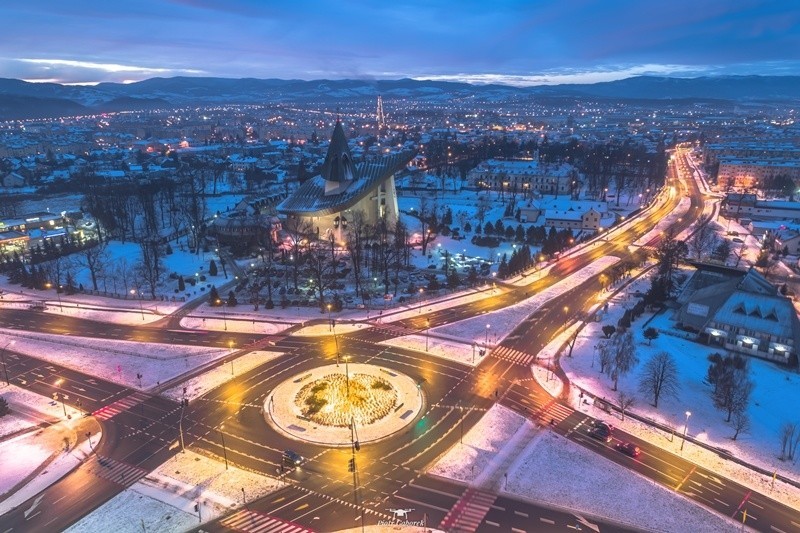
469, 511
255, 522
553, 411
113, 409
115, 471
515, 356
393, 330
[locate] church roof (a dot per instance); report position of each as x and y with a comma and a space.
338, 165
311, 198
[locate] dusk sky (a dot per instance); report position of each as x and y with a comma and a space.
516, 42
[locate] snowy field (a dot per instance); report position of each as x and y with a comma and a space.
116, 361
504, 321
556, 472
446, 349
22, 456
164, 500
219, 375
773, 401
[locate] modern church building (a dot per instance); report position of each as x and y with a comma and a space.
343, 187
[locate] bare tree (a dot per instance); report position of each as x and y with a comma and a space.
427, 219
150, 267
702, 241
484, 205
94, 258
624, 356
659, 377
320, 268
356, 239
733, 389
605, 353
741, 423
787, 433
624, 402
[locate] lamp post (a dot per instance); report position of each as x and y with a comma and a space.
347, 374
685, 427
330, 320
58, 294
133, 293
3, 357
224, 449
230, 345
427, 332
486, 340
58, 383
421, 291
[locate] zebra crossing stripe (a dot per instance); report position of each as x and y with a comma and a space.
123, 404
512, 355
116, 471
255, 522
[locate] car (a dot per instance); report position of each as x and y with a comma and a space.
628, 448
601, 432
292, 458
738, 240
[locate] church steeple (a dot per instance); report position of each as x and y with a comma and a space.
338, 166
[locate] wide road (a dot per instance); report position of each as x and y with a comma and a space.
142, 431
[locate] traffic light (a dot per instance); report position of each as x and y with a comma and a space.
357, 446
351, 465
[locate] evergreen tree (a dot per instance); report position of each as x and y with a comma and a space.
181, 284
212, 268
213, 297
232, 299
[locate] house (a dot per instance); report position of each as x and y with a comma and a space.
743, 313
13, 180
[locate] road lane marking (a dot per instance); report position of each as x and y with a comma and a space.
684, 479
546, 520
726, 504
520, 513
488, 523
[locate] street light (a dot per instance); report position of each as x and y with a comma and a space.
421, 291
427, 332
58, 383
141, 309
230, 345
486, 340
685, 427
3, 357
347, 374
330, 320
224, 449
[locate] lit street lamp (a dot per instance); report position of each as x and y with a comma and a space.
230, 345
141, 309
486, 340
56, 395
685, 427
3, 357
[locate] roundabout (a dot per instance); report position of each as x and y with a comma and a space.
335, 405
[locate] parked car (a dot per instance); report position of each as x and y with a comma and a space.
738, 240
628, 448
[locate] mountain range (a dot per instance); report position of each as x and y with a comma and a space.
23, 100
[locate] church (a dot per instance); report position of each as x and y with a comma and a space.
343, 187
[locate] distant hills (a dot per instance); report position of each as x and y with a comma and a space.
20, 99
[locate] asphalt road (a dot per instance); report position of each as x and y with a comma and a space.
142, 431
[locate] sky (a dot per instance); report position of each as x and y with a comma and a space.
515, 42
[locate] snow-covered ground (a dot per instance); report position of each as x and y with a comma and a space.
22, 456
164, 500
113, 360
504, 321
219, 375
554, 471
776, 393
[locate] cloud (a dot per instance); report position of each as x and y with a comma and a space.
608, 73
74, 72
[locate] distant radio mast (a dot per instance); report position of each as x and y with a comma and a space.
380, 116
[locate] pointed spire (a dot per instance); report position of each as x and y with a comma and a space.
338, 165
